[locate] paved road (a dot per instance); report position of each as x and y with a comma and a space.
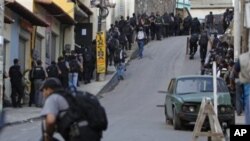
134, 106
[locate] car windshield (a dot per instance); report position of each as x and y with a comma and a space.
198, 85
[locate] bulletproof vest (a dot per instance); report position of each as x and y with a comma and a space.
74, 66
158, 20
63, 68
204, 38
52, 71
38, 73
147, 21
194, 38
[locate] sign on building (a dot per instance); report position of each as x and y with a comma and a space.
101, 52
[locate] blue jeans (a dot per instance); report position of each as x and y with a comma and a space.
247, 103
141, 46
73, 78
120, 69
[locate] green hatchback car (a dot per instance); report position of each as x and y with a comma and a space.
184, 96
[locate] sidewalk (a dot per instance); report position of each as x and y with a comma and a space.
28, 114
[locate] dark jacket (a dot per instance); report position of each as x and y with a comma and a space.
15, 74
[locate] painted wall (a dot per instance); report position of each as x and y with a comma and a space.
26, 3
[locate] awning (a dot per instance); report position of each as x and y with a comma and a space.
8, 19
84, 8
25, 13
56, 11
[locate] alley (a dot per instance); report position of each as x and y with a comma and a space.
134, 106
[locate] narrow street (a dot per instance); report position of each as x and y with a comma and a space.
134, 107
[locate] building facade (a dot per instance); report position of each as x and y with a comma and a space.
43, 29
161, 6
201, 8
37, 30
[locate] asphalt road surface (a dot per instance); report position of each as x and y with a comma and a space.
134, 107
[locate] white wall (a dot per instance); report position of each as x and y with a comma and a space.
201, 13
26, 3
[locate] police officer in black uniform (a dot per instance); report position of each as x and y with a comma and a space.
178, 22
195, 26
16, 84
52, 70
38, 75
158, 25
87, 64
152, 25
63, 67
193, 45
186, 25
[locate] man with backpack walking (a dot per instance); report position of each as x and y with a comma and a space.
76, 116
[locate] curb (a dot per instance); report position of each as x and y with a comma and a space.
30, 120
114, 80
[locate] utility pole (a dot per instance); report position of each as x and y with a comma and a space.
237, 30
1, 52
100, 76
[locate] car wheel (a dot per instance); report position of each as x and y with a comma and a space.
167, 119
176, 121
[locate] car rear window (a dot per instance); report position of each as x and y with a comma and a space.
197, 85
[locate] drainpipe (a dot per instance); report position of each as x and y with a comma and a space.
236, 30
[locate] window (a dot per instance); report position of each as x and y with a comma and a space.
198, 85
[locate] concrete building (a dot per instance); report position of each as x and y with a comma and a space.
180, 4
161, 6
201, 8
40, 29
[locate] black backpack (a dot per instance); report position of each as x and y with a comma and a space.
203, 39
117, 57
74, 66
83, 106
38, 73
52, 71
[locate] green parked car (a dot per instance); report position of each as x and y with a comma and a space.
184, 96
